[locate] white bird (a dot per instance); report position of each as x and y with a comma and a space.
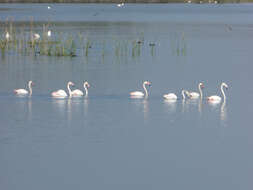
49, 33
120, 4
196, 95
7, 36
183, 93
36, 36
48, 7
172, 96
61, 93
78, 92
139, 94
24, 91
217, 99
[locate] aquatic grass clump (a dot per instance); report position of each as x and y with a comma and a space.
3, 45
183, 45
152, 50
179, 45
136, 48
31, 42
35, 39
87, 47
69, 47
64, 47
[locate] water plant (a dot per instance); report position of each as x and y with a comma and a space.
178, 44
87, 47
43, 40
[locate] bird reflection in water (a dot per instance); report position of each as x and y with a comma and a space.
223, 113
183, 105
75, 107
60, 106
200, 105
24, 107
145, 108
187, 104
141, 104
171, 105
86, 106
29, 102
69, 110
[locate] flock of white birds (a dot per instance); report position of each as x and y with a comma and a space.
135, 94
35, 36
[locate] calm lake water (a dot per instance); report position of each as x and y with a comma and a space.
110, 141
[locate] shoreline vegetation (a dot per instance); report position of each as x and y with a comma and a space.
42, 39
126, 1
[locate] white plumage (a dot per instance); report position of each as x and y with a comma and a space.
22, 91
196, 95
139, 94
61, 93
120, 5
36, 36
170, 96
214, 98
7, 36
217, 99
49, 33
78, 92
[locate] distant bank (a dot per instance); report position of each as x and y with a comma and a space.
125, 1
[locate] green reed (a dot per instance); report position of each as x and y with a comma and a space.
60, 44
178, 45
24, 41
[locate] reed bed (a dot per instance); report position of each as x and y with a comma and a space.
36, 41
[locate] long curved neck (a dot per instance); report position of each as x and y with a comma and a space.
86, 90
223, 93
200, 91
70, 92
183, 95
146, 92
30, 89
